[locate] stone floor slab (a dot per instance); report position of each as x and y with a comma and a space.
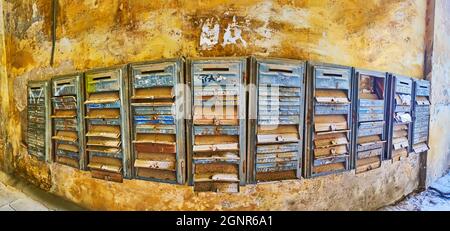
26, 204
6, 208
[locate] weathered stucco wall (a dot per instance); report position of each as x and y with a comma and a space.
439, 156
385, 35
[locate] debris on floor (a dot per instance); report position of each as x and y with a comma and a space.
435, 198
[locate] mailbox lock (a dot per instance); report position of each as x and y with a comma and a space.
279, 138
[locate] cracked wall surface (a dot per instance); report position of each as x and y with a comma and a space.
383, 35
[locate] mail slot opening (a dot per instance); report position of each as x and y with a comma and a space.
101, 78
280, 70
63, 83
215, 69
152, 72
333, 75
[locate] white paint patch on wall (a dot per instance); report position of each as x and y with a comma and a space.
233, 34
297, 17
265, 36
209, 36
35, 11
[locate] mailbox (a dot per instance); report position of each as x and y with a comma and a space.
158, 126
369, 116
68, 125
276, 115
39, 128
329, 117
217, 128
106, 118
400, 119
421, 116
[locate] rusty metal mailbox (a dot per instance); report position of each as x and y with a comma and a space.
39, 127
329, 117
158, 132
217, 131
107, 123
68, 125
276, 115
421, 116
399, 117
369, 116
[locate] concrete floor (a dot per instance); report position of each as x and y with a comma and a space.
19, 195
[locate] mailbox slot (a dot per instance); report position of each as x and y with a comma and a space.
106, 123
157, 107
216, 131
400, 117
68, 125
39, 127
329, 103
370, 134
276, 116
421, 116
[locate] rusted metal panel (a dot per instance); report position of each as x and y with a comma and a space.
400, 116
371, 128
106, 118
329, 127
67, 117
327, 77
216, 130
276, 119
421, 116
157, 110
370, 111
371, 153
104, 81
39, 127
324, 109
216, 133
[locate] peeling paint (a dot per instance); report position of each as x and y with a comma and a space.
233, 34
209, 36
